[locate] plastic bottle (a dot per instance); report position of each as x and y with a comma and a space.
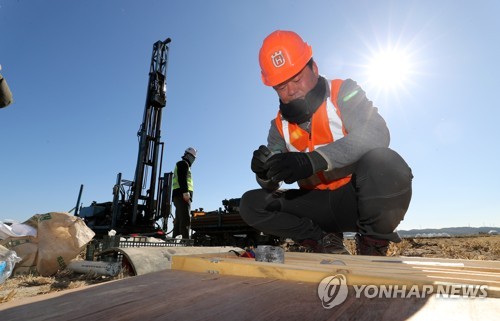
7, 262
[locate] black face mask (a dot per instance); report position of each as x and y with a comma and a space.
301, 110
189, 158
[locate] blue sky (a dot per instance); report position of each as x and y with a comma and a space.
78, 71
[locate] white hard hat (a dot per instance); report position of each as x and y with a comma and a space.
191, 150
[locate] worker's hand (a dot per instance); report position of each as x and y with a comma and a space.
186, 197
289, 167
258, 165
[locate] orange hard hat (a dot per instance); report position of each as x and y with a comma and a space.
282, 55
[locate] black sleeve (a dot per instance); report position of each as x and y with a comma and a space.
182, 171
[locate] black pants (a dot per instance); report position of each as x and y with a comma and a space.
373, 204
182, 220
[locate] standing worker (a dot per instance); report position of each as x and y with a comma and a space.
5, 93
182, 194
331, 140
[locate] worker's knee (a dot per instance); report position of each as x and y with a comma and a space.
382, 172
256, 204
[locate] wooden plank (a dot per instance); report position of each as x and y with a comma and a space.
354, 276
403, 263
180, 295
359, 270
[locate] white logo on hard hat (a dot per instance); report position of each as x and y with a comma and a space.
332, 291
278, 59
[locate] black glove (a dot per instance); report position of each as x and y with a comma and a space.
289, 167
259, 159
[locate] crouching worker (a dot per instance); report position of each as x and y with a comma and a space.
331, 140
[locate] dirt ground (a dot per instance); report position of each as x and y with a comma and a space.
482, 247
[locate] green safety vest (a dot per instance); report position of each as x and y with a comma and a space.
175, 180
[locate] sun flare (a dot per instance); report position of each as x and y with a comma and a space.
389, 69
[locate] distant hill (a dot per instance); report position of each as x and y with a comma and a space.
449, 230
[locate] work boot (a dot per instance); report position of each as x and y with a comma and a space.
331, 243
367, 245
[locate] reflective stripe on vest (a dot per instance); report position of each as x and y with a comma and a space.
326, 127
175, 180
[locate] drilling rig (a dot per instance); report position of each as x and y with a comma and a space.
139, 205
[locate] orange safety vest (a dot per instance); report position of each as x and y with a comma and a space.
326, 127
